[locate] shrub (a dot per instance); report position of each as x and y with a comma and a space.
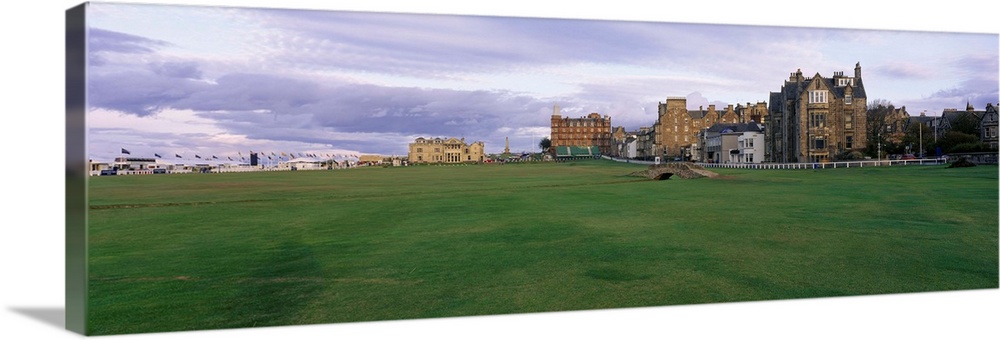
962, 163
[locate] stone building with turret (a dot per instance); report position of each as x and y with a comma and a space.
817, 118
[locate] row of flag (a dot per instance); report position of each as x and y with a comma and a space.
271, 156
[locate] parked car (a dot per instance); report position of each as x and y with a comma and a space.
909, 156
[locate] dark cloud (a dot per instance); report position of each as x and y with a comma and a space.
977, 88
269, 107
187, 70
378, 109
100, 40
140, 92
247, 92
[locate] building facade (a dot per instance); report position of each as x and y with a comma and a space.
732, 143
818, 118
988, 126
677, 128
450, 151
589, 131
896, 123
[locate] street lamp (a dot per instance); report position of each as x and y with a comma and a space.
880, 147
921, 151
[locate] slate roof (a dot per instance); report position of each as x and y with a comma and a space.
921, 119
737, 128
792, 89
950, 115
697, 114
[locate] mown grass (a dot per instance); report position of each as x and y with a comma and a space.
204, 251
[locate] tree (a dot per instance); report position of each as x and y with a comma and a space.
966, 123
954, 141
914, 133
545, 144
876, 114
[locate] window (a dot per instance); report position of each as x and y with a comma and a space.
819, 143
437, 149
817, 96
845, 81
850, 142
847, 99
817, 120
420, 149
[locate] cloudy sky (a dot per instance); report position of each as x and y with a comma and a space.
222, 81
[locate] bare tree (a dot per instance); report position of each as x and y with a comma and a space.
877, 113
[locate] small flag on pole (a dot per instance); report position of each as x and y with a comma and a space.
157, 155
178, 156
196, 156
230, 158
213, 157
126, 152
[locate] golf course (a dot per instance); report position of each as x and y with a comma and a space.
173, 252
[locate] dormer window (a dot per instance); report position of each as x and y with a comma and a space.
817, 96
845, 81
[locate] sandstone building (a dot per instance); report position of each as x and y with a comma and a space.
590, 131
732, 143
816, 119
451, 150
675, 132
988, 126
896, 123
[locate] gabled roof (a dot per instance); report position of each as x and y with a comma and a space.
775, 104
921, 119
859, 89
952, 115
791, 89
697, 114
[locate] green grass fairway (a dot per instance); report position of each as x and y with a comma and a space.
204, 251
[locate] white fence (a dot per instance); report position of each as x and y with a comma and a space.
826, 165
212, 170
822, 165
